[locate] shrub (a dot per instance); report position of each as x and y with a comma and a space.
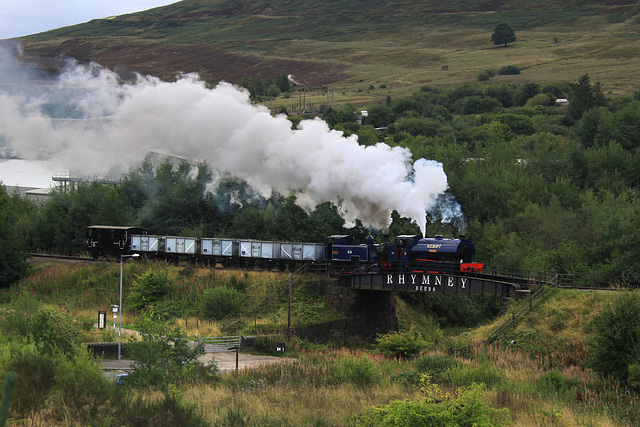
634, 376
436, 365
614, 346
485, 373
553, 382
483, 77
436, 409
36, 372
81, 390
51, 331
149, 288
509, 70
217, 303
542, 99
54, 332
163, 357
358, 370
239, 284
171, 410
401, 345
10, 382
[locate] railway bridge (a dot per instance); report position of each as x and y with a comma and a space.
372, 303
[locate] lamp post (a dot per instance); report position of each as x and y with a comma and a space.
122, 257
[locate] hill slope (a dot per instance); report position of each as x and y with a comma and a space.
401, 44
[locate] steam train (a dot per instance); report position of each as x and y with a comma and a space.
344, 253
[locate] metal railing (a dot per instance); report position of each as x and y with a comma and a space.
223, 345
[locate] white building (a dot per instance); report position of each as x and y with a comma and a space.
32, 178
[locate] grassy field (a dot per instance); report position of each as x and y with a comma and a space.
349, 49
537, 370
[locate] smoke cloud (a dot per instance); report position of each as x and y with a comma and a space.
89, 120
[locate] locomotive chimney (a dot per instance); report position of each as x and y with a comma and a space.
426, 224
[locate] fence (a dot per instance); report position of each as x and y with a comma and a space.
223, 345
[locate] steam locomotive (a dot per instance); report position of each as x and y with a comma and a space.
344, 253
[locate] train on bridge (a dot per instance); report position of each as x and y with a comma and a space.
344, 253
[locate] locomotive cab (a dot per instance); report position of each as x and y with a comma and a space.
401, 251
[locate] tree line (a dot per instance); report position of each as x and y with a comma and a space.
543, 187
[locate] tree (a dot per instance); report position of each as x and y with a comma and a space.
585, 97
165, 357
12, 261
282, 81
503, 34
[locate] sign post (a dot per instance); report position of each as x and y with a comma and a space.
114, 310
102, 319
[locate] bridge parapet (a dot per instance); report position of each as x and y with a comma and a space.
428, 283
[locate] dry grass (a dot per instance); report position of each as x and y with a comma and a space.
195, 326
290, 406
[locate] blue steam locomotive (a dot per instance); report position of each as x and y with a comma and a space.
409, 253
344, 253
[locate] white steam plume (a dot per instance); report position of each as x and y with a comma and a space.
95, 124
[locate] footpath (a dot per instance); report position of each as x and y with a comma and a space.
226, 361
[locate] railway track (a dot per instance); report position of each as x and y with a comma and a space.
39, 258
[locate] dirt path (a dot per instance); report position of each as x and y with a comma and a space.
226, 362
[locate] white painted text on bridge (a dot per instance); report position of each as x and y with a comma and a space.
421, 282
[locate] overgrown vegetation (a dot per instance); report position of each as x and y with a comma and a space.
616, 342
536, 373
542, 187
163, 357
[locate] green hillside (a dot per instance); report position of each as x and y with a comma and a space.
349, 45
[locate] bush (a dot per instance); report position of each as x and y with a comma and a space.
149, 288
634, 376
171, 410
9, 389
436, 409
615, 345
51, 331
436, 365
509, 70
401, 345
553, 383
81, 390
54, 332
36, 372
217, 303
358, 370
483, 77
164, 357
485, 373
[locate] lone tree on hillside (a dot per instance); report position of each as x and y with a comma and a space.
503, 34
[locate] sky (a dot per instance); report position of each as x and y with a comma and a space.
25, 17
